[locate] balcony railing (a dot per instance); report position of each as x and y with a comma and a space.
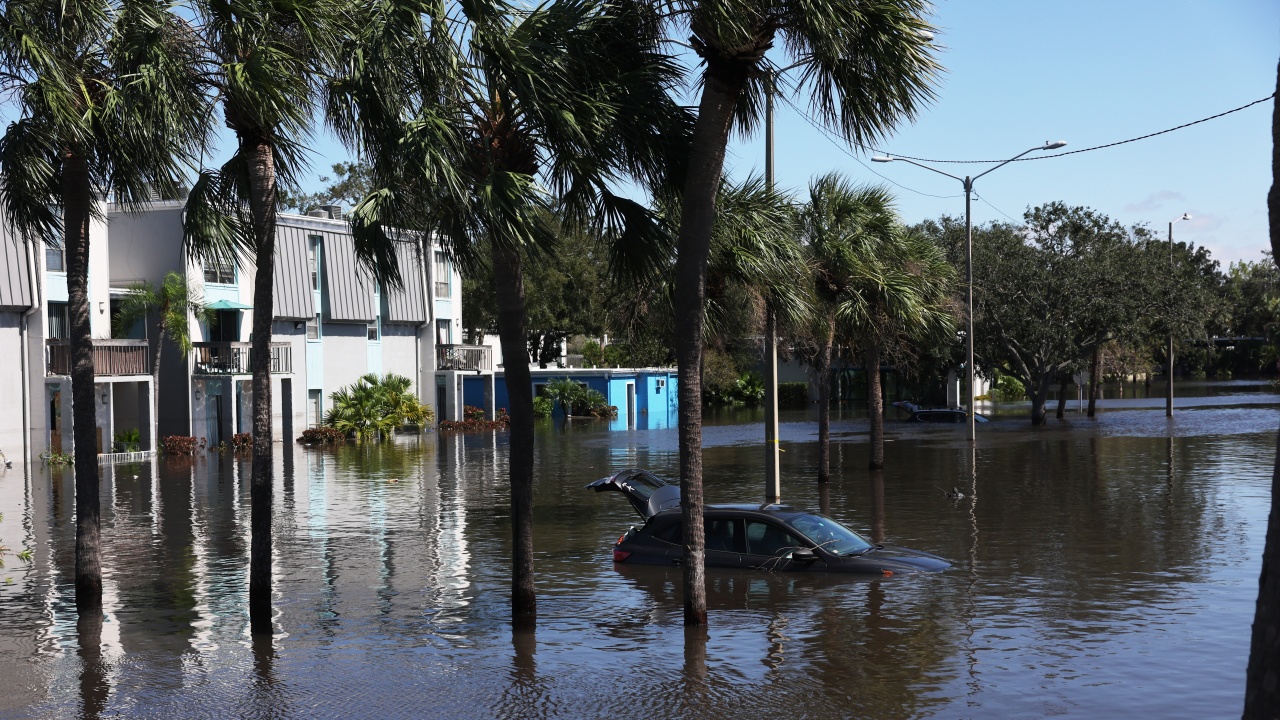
464, 357
110, 357
234, 358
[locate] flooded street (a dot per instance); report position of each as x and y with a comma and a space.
1101, 568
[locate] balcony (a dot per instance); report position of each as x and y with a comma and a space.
234, 358
474, 358
110, 357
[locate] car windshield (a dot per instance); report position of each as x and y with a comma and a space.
830, 535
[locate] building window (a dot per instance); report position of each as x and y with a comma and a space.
313, 328
313, 259
217, 272
444, 332
55, 258
373, 330
59, 321
443, 274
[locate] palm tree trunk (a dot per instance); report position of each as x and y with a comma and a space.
262, 206
720, 91
508, 285
1262, 680
1095, 370
875, 406
77, 196
155, 381
822, 368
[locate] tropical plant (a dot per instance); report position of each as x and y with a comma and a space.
474, 120
374, 407
322, 435
127, 440
576, 398
107, 104
863, 66
265, 61
172, 306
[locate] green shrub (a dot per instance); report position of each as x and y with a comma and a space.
1008, 388
578, 399
128, 441
542, 407
793, 394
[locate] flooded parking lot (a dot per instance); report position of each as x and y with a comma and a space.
1101, 568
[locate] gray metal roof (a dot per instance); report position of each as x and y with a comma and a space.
407, 304
292, 293
349, 284
15, 276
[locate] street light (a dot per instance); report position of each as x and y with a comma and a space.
1168, 387
968, 231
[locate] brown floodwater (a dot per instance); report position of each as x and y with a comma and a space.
1102, 568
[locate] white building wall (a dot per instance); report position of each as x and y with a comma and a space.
12, 393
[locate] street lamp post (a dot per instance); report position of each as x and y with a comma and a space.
1168, 386
968, 273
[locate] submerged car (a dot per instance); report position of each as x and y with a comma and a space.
937, 415
769, 537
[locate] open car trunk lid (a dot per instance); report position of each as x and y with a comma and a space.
648, 493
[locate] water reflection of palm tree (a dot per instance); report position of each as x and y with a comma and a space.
95, 689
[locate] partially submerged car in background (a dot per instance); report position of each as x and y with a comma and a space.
937, 415
769, 537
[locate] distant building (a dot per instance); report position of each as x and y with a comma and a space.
331, 324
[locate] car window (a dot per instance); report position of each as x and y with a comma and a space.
766, 538
830, 535
723, 534
672, 533
643, 484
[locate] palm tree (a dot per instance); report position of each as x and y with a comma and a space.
108, 104
266, 59
1262, 686
375, 407
475, 121
839, 222
899, 299
863, 65
173, 307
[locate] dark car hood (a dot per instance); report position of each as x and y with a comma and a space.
893, 558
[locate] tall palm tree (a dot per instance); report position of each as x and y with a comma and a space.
476, 121
755, 257
1262, 686
862, 66
899, 298
837, 222
108, 104
266, 60
173, 307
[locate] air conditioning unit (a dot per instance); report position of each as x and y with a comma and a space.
334, 212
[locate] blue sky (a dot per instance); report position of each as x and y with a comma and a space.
1090, 72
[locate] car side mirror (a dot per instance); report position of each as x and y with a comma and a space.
804, 556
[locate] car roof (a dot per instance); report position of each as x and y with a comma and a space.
782, 512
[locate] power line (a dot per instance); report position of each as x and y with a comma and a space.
841, 147
1082, 150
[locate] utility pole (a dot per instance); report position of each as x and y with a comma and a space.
772, 464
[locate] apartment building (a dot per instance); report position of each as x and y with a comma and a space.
35, 368
331, 324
